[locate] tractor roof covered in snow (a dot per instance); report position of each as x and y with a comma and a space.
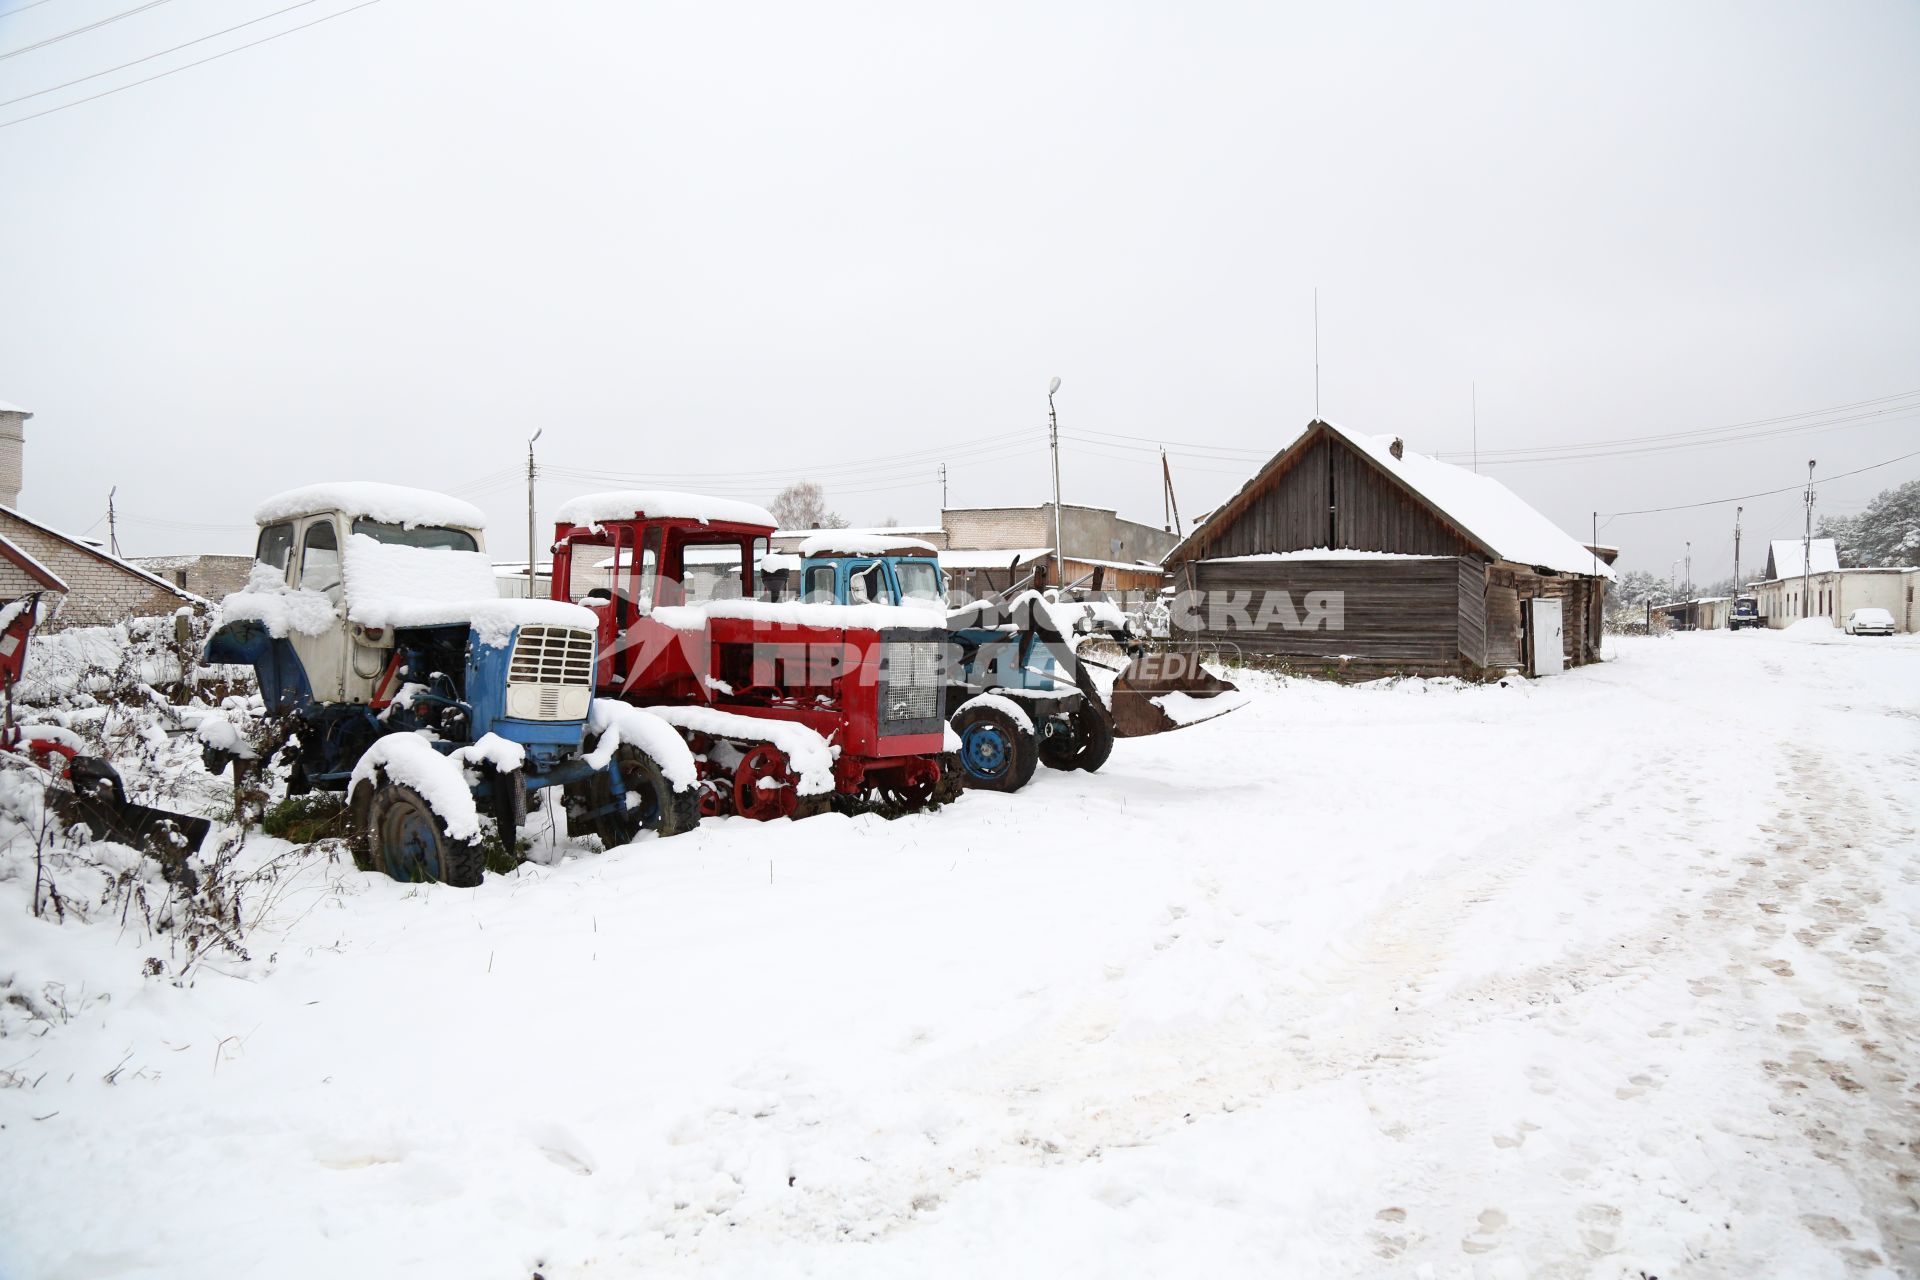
660, 504
386, 503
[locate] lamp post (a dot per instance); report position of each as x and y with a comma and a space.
1053, 433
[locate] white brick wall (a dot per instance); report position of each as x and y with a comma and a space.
12, 452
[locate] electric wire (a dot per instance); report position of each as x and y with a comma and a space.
188, 66
80, 31
95, 75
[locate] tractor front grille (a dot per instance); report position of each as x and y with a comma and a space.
911, 688
552, 655
550, 675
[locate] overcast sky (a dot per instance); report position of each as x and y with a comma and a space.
718, 247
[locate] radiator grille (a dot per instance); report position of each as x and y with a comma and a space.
552, 656
910, 686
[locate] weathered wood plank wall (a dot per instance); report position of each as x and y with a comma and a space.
1393, 611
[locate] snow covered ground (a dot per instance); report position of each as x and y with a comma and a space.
1605, 975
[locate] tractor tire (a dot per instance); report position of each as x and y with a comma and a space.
661, 810
402, 836
1087, 747
996, 754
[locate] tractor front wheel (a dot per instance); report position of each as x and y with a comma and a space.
996, 754
1086, 746
651, 802
397, 831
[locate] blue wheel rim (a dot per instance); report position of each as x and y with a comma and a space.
414, 852
985, 751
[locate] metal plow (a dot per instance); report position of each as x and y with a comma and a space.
1166, 689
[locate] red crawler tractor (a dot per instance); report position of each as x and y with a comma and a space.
788, 707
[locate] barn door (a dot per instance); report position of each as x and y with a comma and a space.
1545, 629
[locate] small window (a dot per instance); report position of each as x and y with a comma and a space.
919, 580
762, 582
649, 570
320, 559
868, 584
276, 546
819, 588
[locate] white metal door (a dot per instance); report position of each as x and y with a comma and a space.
1549, 644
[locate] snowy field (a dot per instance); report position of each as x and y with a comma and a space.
1614, 974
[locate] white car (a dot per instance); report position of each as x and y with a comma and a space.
1869, 622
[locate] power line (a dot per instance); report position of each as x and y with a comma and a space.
163, 53
80, 31
212, 57
1765, 493
23, 8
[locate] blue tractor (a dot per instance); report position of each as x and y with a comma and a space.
392, 671
1019, 696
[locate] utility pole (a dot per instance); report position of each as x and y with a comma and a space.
530, 474
1806, 549
943, 486
113, 523
1053, 431
1737, 511
1689, 568
1172, 500
1316, 353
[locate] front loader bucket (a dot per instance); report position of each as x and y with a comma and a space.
1168, 689
98, 802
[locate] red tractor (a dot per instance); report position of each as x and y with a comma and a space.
789, 707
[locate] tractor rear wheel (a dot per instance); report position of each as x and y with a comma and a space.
996, 754
398, 832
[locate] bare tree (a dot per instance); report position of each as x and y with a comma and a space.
803, 505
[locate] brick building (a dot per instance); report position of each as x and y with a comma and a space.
95, 588
1127, 552
213, 577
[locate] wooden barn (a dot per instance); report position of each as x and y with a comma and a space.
1351, 555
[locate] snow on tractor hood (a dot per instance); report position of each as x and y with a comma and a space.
629, 504
397, 586
385, 503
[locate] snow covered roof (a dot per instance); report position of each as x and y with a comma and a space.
14, 408
848, 542
95, 551
908, 529
386, 503
1785, 561
1126, 566
31, 567
1322, 553
1487, 511
977, 558
629, 504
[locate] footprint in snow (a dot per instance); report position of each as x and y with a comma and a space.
1484, 1237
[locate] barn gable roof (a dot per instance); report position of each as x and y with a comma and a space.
1785, 561
1484, 511
31, 567
113, 560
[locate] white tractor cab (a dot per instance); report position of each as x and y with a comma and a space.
391, 669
